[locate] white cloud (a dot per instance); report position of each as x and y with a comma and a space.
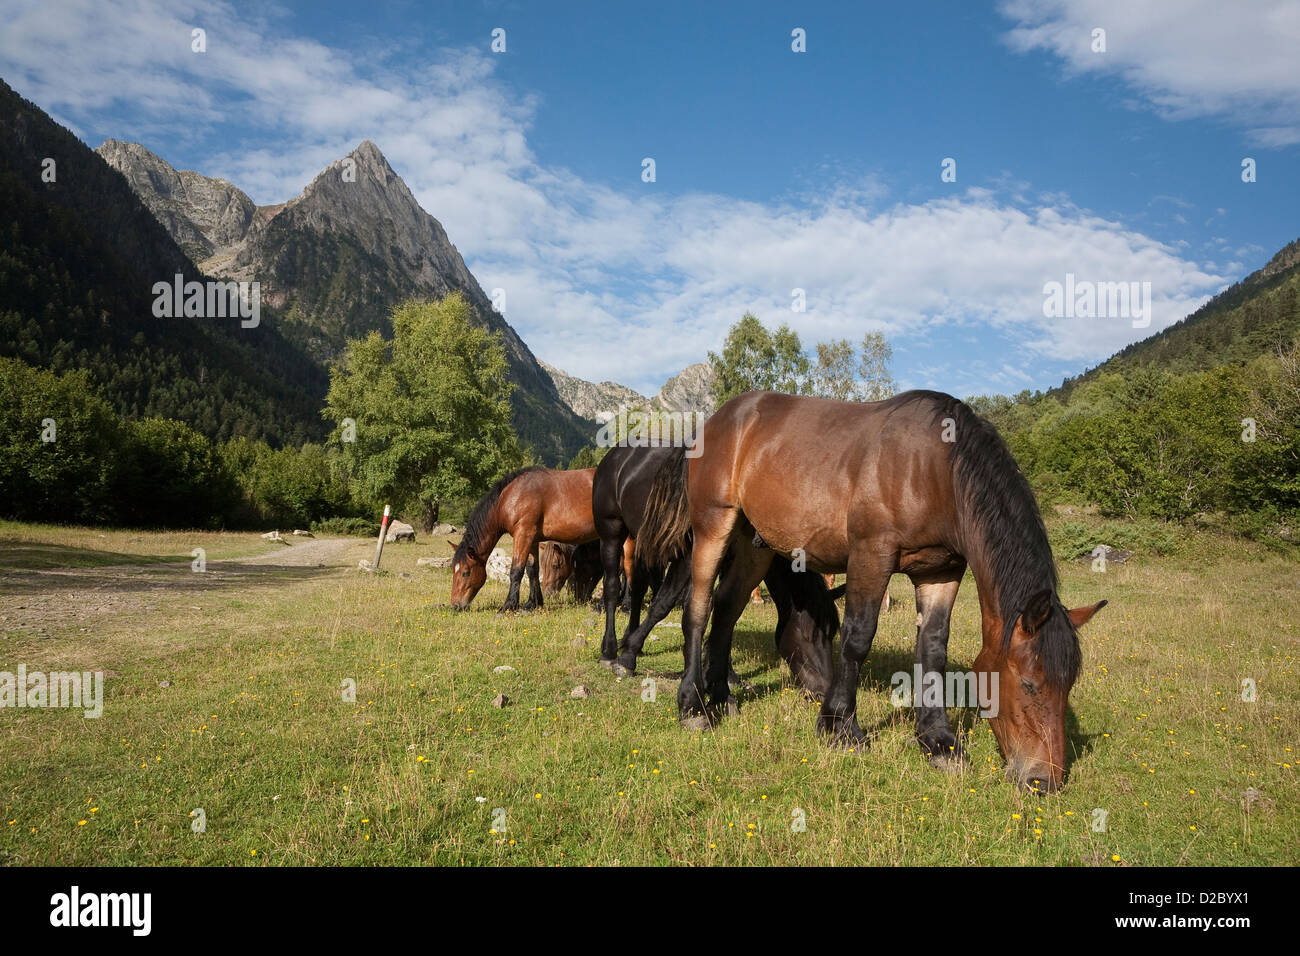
1186, 58
627, 284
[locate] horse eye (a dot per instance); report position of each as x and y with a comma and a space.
1029, 687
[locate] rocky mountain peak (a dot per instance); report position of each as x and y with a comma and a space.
594, 402
202, 214
690, 390
334, 260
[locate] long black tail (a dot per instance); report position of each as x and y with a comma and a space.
666, 525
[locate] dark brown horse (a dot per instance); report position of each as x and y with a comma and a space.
628, 499
919, 485
531, 505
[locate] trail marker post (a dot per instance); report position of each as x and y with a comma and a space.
383, 532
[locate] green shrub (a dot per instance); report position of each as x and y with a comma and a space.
1074, 539
347, 527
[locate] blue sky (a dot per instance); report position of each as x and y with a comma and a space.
775, 169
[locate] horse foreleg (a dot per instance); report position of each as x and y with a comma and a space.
868, 577
522, 547
512, 597
935, 597
534, 578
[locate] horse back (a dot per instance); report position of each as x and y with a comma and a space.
556, 503
823, 476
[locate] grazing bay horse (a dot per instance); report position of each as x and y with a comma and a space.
579, 567
918, 485
624, 505
555, 566
531, 505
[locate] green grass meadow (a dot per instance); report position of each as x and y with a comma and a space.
255, 731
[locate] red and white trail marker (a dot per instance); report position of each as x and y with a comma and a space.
383, 531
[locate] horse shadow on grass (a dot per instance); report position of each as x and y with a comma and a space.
877, 677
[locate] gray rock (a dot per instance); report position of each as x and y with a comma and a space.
400, 531
444, 528
500, 700
581, 692
1112, 555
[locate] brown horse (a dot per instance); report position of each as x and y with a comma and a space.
531, 505
919, 485
555, 566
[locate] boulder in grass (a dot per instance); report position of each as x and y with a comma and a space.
433, 563
444, 528
274, 536
498, 566
400, 531
299, 533
1111, 555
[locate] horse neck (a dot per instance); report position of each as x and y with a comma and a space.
980, 553
490, 531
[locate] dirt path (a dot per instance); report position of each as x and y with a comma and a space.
41, 601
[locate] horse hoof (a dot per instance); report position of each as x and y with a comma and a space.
620, 671
695, 722
948, 763
729, 708
842, 733
609, 665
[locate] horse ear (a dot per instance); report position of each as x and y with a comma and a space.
1080, 616
1036, 612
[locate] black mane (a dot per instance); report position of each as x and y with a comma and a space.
475, 524
1000, 513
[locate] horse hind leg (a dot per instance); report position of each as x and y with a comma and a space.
611, 557
672, 590
744, 571
934, 602
712, 530
627, 601
637, 588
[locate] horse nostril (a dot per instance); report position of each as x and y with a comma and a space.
1040, 784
